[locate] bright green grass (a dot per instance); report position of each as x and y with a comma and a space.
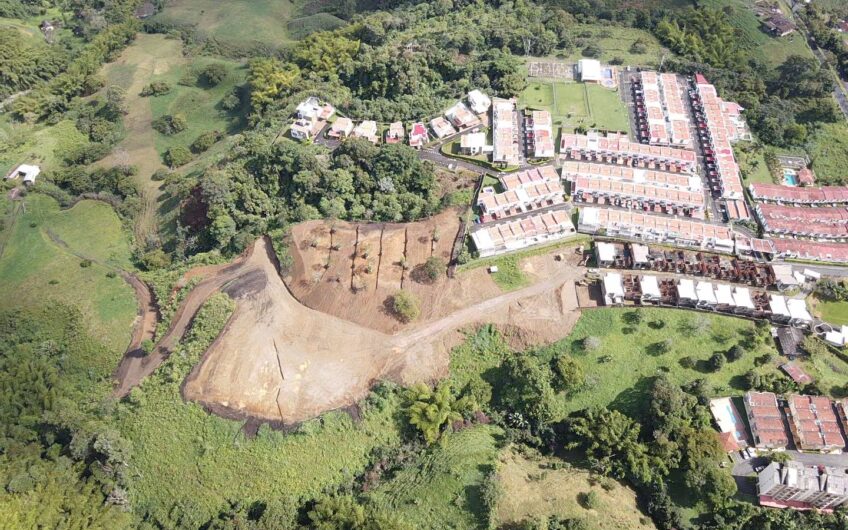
752, 164
247, 21
829, 371
773, 50
89, 228
184, 456
577, 104
509, 276
200, 106
30, 261
39, 144
833, 312
615, 43
442, 489
828, 149
622, 381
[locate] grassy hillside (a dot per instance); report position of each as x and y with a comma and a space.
537, 486
443, 488
247, 21
38, 263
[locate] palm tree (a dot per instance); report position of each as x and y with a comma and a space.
430, 410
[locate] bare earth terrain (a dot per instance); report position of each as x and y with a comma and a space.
280, 361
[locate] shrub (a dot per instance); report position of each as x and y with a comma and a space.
592, 50
434, 267
177, 156
763, 359
638, 47
147, 346
85, 263
735, 353
231, 102
405, 306
170, 124
214, 74
160, 175
591, 500
206, 140
687, 362
716, 362
156, 88
591, 343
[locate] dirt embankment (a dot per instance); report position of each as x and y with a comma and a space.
282, 362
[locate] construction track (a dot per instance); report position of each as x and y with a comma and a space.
279, 361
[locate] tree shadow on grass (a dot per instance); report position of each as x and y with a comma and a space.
632, 401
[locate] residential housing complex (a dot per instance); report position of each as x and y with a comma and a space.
641, 189
661, 115
514, 234
539, 134
523, 191
802, 486
616, 148
505, 150
655, 228
765, 420
814, 425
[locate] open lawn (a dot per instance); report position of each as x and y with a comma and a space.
619, 372
576, 104
829, 371
245, 22
442, 488
41, 144
615, 43
38, 269
620, 369
534, 487
773, 50
752, 164
200, 105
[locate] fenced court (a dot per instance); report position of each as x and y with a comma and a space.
577, 104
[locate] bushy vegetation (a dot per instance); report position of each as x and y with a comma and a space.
405, 306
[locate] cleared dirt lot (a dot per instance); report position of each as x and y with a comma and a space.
280, 361
351, 270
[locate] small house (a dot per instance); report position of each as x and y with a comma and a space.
442, 127
395, 133
418, 135
479, 102
341, 128
367, 130
589, 70
26, 172
613, 289
472, 144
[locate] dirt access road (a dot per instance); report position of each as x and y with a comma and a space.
280, 361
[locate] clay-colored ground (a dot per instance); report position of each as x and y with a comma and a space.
281, 361
365, 270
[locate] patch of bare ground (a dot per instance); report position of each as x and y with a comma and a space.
282, 362
351, 270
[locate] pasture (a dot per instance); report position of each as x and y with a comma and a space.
41, 261
246, 22
616, 43
577, 104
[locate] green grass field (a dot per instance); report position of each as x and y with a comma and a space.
40, 144
615, 43
577, 104
199, 105
532, 486
619, 372
772, 50
184, 456
442, 489
247, 21
37, 269
752, 164
510, 276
